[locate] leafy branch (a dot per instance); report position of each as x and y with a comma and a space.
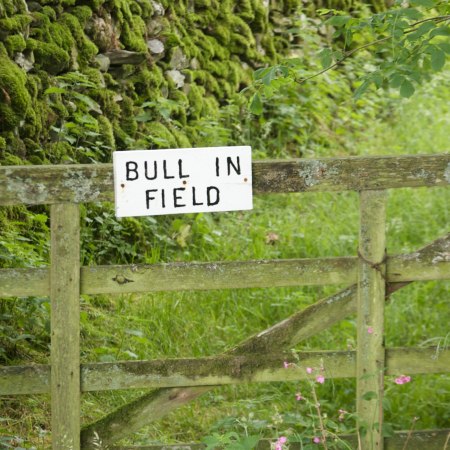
412, 54
350, 53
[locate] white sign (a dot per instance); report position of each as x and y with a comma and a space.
156, 182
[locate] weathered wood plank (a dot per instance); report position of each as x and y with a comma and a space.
219, 275
219, 370
86, 183
430, 263
415, 440
24, 282
370, 361
65, 326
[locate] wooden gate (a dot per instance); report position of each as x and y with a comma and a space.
371, 275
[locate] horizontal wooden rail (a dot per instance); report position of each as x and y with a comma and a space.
220, 370
79, 183
225, 275
416, 440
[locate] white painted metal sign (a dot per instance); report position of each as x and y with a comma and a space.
157, 182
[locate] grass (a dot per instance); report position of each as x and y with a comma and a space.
309, 225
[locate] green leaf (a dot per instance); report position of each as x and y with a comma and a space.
410, 13
337, 21
144, 117
269, 76
422, 30
424, 3
88, 101
259, 73
370, 395
437, 58
326, 58
445, 46
440, 31
361, 89
256, 105
406, 89
396, 80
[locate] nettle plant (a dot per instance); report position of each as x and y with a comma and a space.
403, 47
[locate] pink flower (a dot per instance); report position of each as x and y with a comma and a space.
286, 364
402, 379
299, 396
309, 370
316, 440
320, 379
369, 330
279, 444
342, 413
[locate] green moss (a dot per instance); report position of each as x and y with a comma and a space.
245, 10
11, 160
49, 12
15, 43
148, 83
223, 34
107, 100
181, 138
133, 33
15, 24
144, 6
121, 138
183, 103
161, 136
11, 7
195, 98
49, 57
122, 10
82, 13
58, 152
106, 131
210, 107
15, 101
127, 121
86, 48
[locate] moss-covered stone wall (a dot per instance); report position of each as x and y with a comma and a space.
79, 79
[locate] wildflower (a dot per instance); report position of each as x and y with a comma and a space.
279, 443
370, 330
309, 370
402, 379
299, 396
342, 413
316, 440
320, 379
286, 364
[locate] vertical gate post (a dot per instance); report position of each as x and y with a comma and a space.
65, 326
370, 321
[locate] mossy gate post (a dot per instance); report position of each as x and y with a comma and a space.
372, 276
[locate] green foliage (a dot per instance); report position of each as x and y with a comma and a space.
230, 441
408, 44
15, 101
